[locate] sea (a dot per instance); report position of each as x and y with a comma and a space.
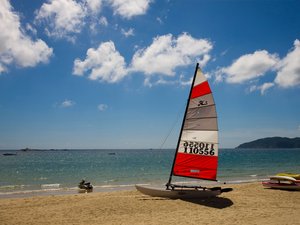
54, 172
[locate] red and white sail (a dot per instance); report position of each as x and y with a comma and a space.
197, 150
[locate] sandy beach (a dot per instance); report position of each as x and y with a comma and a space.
248, 204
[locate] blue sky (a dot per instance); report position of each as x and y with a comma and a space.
116, 73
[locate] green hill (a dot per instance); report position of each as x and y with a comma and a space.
272, 142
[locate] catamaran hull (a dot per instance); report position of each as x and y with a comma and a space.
175, 194
281, 186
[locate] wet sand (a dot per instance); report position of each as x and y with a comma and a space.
247, 204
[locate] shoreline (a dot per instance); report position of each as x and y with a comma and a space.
107, 189
59, 192
248, 203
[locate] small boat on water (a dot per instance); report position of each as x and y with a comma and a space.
282, 182
9, 154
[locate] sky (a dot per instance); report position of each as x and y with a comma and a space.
93, 74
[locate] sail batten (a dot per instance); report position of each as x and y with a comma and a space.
197, 149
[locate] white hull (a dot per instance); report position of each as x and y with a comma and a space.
183, 194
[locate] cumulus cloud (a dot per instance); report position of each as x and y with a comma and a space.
94, 5
166, 53
248, 67
104, 63
66, 18
162, 57
289, 68
129, 8
252, 67
15, 46
63, 17
102, 107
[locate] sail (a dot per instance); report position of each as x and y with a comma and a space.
197, 150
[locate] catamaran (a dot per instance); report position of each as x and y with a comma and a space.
283, 182
196, 153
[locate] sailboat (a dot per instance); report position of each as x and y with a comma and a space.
196, 153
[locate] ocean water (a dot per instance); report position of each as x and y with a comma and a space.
61, 171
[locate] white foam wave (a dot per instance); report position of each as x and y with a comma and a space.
9, 187
114, 186
243, 181
26, 192
47, 186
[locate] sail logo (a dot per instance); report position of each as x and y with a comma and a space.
200, 148
202, 103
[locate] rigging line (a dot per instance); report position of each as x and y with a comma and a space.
171, 130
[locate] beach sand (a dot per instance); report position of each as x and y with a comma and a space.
247, 204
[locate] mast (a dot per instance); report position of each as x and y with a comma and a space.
182, 125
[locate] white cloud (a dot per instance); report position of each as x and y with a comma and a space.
129, 32
265, 87
104, 63
95, 21
17, 47
202, 62
129, 8
289, 68
2, 68
253, 88
64, 17
94, 5
166, 53
161, 58
67, 103
249, 67
262, 88
102, 107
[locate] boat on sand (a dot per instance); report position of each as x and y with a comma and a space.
196, 153
282, 182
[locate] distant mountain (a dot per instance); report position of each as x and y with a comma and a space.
272, 142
